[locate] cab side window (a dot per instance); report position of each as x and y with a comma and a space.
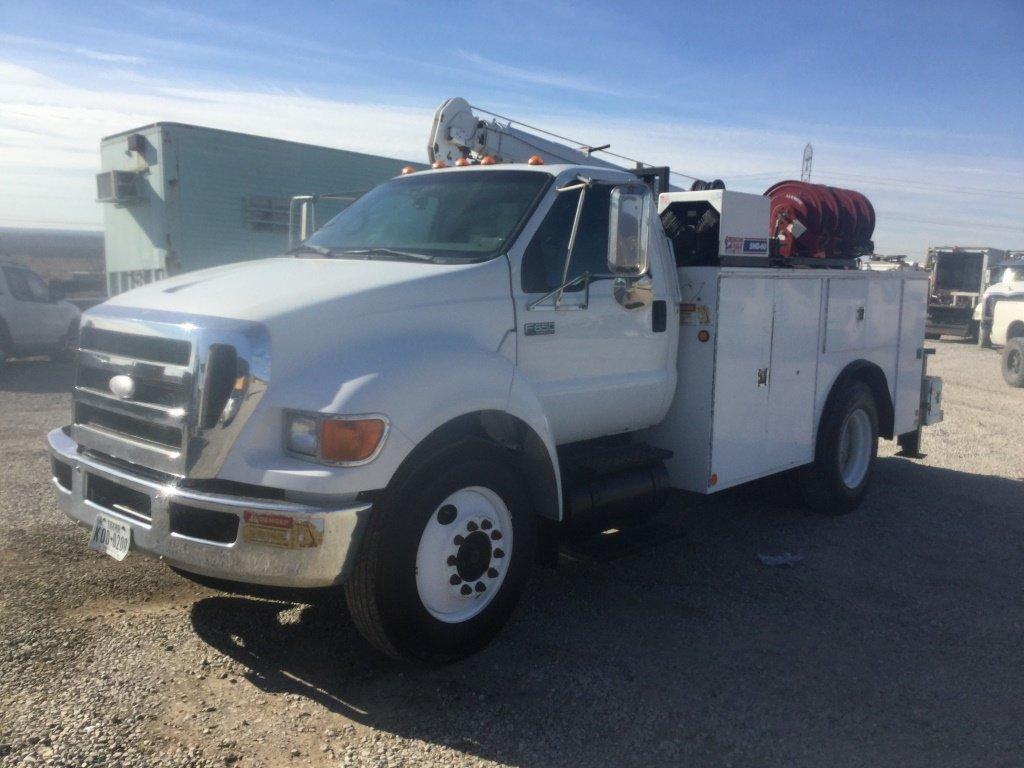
545, 255
18, 284
37, 286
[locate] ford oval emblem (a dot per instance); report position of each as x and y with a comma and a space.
122, 386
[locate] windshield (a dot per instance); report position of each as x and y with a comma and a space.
1012, 275
455, 216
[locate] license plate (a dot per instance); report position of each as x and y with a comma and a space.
111, 537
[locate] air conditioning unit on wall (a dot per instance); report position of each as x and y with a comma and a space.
120, 187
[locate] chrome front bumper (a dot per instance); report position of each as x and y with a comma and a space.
278, 543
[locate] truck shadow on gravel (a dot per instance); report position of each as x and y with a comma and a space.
37, 376
695, 647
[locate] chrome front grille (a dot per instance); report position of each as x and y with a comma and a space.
150, 425
164, 391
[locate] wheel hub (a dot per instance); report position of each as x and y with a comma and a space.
474, 556
463, 554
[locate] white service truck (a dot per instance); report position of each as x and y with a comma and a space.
466, 365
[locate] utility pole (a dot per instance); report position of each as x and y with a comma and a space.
805, 171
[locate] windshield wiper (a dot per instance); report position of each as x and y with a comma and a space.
371, 252
310, 248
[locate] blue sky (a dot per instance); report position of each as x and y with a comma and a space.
920, 106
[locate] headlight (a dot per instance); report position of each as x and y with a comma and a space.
301, 434
344, 440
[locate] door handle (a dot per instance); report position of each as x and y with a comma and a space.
762, 377
659, 316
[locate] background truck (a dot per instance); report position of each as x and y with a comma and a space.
34, 320
470, 364
959, 277
1007, 285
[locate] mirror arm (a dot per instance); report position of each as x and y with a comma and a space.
572, 243
585, 278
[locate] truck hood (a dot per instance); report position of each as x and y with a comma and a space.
315, 308
268, 288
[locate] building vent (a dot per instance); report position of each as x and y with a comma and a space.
117, 187
269, 214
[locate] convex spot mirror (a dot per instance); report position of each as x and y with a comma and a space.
628, 226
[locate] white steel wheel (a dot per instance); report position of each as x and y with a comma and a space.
464, 554
855, 447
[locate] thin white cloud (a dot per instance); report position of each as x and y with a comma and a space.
38, 44
545, 78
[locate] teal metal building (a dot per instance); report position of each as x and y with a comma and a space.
181, 197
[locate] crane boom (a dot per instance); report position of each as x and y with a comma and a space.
458, 132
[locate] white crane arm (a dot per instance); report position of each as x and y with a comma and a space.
458, 132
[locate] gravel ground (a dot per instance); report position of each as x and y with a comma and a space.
895, 641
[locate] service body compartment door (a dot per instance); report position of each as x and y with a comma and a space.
910, 360
742, 362
847, 314
790, 435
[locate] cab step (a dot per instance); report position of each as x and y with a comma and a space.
605, 483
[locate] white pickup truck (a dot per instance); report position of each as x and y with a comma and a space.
463, 366
33, 318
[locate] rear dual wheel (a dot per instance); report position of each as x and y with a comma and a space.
845, 452
445, 556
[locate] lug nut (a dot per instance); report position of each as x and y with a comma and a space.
486, 525
492, 573
499, 553
470, 526
447, 514
455, 580
495, 535
466, 590
480, 586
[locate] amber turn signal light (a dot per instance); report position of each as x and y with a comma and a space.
345, 441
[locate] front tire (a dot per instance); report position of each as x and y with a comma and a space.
845, 452
1013, 362
445, 556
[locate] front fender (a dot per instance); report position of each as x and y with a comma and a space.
419, 384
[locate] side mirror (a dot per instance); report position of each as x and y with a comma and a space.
628, 233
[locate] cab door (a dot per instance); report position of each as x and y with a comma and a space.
602, 357
24, 315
